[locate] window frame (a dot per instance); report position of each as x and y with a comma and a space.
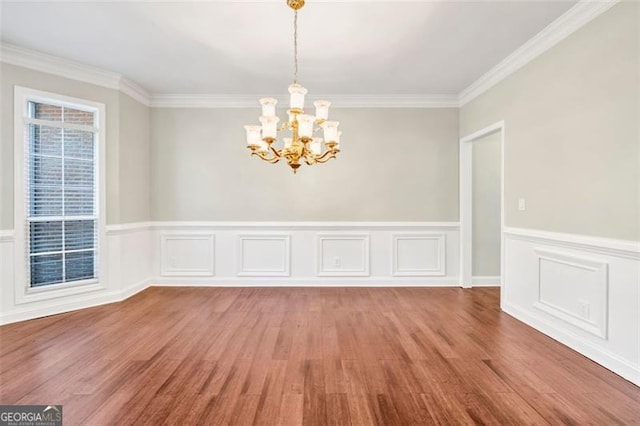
24, 291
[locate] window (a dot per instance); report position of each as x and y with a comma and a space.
60, 203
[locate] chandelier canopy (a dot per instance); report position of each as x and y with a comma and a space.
301, 145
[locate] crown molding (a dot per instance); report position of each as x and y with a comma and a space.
338, 101
575, 18
569, 22
394, 101
133, 89
32, 59
204, 101
50, 64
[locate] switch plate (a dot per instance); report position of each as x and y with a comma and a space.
336, 262
521, 204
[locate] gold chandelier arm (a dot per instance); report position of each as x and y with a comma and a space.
275, 152
274, 159
325, 157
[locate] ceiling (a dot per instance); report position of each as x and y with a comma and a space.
230, 48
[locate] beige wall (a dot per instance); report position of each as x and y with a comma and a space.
396, 165
125, 181
572, 135
572, 149
486, 170
134, 155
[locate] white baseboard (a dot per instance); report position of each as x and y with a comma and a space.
485, 281
302, 282
135, 289
61, 306
603, 357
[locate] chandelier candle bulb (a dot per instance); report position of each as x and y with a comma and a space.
305, 125
269, 127
297, 93
253, 136
322, 110
330, 130
316, 146
268, 106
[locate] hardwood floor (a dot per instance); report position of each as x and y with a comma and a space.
360, 356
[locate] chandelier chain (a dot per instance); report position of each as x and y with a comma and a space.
295, 46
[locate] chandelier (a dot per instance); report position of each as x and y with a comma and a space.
301, 145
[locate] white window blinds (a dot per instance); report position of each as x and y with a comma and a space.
61, 197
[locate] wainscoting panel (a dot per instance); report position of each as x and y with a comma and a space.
419, 254
6, 275
318, 253
187, 254
261, 255
130, 261
342, 255
582, 291
573, 289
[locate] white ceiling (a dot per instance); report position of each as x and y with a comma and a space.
228, 48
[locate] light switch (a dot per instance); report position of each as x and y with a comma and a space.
521, 204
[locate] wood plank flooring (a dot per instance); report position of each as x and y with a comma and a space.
313, 356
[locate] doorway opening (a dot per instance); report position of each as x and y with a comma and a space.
482, 207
